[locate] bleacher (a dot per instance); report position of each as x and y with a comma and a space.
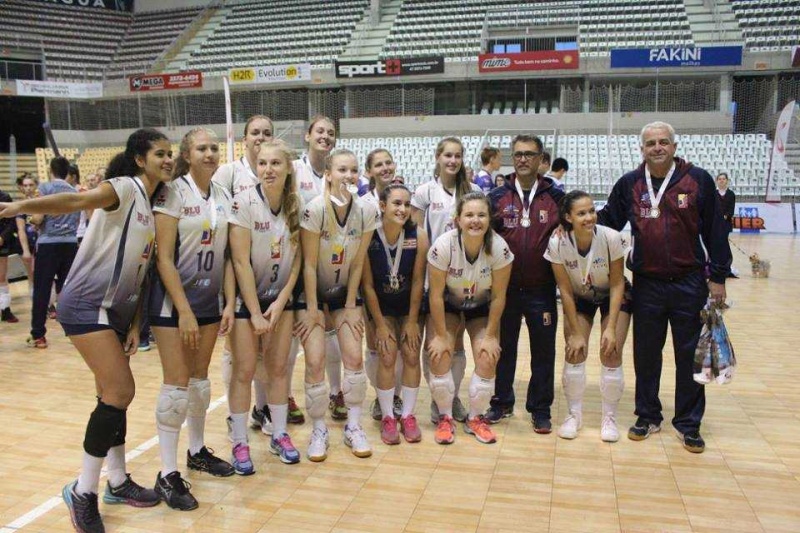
768, 26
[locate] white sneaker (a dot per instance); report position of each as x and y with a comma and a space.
608, 429
569, 429
318, 445
357, 440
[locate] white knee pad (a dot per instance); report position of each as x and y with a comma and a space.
199, 397
316, 399
480, 393
442, 388
171, 408
354, 387
573, 379
5, 297
612, 384
371, 367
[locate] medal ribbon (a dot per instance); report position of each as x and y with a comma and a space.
526, 201
395, 263
656, 199
589, 258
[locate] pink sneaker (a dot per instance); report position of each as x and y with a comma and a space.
410, 429
389, 434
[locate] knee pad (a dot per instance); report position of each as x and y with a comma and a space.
316, 399
199, 397
171, 408
104, 423
333, 354
354, 387
5, 297
573, 380
122, 432
480, 392
371, 367
612, 384
442, 388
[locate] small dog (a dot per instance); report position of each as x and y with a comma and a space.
759, 266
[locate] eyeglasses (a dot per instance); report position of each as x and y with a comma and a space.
519, 156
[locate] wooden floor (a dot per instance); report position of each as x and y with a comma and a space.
747, 480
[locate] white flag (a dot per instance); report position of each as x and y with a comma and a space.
778, 152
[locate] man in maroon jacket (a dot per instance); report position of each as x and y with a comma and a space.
525, 213
674, 211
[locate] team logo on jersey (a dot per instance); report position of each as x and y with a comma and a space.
572, 265
547, 319
455, 272
235, 208
306, 215
337, 254
306, 186
143, 218
683, 201
485, 272
191, 211
544, 216
434, 254
275, 249
148, 248
161, 200
510, 216
506, 253
409, 244
261, 227
437, 206
208, 235
202, 282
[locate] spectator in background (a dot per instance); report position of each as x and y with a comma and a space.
490, 163
499, 180
544, 164
728, 200
557, 171
27, 232
7, 227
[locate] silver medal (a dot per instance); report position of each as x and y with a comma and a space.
526, 222
655, 212
394, 282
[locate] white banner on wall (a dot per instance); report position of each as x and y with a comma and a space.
751, 217
59, 89
270, 73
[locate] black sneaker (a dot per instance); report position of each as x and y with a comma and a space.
642, 429
206, 461
83, 510
541, 424
174, 490
692, 441
131, 493
497, 412
7, 316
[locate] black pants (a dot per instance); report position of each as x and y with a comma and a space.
657, 303
52, 260
538, 306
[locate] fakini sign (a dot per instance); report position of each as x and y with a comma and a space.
160, 82
541, 60
708, 56
271, 73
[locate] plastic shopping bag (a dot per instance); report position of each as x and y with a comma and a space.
714, 358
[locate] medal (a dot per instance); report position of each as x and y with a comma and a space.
526, 202
394, 282
655, 212
655, 199
394, 264
526, 222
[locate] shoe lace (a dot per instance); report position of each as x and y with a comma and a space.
285, 442
318, 435
410, 421
242, 452
207, 454
86, 507
180, 485
389, 423
444, 424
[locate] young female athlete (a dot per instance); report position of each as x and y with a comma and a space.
469, 271
265, 248
588, 265
433, 208
186, 308
99, 310
392, 282
336, 231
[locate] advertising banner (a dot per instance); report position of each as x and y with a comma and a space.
270, 73
750, 217
407, 66
160, 82
541, 60
707, 56
779, 151
59, 89
116, 5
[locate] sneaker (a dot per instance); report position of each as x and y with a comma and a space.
260, 419
206, 461
281, 445
337, 407
483, 433
608, 429
7, 316
569, 429
174, 490
41, 342
692, 441
295, 414
496, 413
410, 429
240, 460
435, 416
397, 407
144, 345
460, 412
151, 338
541, 425
318, 445
83, 509
389, 434
51, 312
130, 493
445, 431
375, 410
356, 439
641, 430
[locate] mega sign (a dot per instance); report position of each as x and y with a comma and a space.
407, 66
708, 56
542, 60
160, 82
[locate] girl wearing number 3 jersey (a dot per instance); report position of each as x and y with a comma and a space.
265, 243
186, 311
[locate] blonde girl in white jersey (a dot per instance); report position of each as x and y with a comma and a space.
265, 248
433, 208
587, 261
336, 231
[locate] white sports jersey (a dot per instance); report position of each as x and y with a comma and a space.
607, 247
468, 285
337, 251
200, 247
235, 177
309, 183
271, 250
105, 281
439, 206
371, 197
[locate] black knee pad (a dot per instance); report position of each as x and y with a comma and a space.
119, 438
102, 429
